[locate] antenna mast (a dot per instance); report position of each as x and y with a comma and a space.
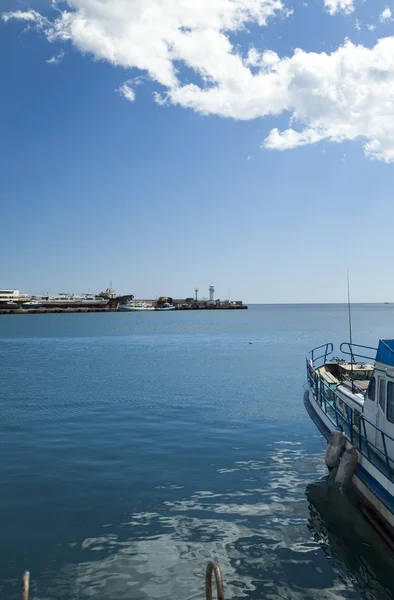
350, 316
350, 330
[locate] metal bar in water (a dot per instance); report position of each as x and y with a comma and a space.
213, 567
25, 585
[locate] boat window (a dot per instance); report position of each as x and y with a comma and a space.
382, 393
390, 401
357, 418
372, 389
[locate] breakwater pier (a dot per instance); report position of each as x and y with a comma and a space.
12, 302
111, 309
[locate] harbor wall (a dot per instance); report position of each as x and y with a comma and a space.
113, 305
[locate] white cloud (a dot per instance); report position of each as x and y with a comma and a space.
32, 17
334, 6
29, 15
340, 96
291, 139
371, 27
151, 34
386, 16
56, 58
345, 95
358, 25
127, 91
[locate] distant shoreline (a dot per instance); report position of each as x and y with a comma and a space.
46, 311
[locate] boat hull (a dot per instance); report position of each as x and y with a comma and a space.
9, 305
32, 305
134, 309
166, 308
376, 489
75, 304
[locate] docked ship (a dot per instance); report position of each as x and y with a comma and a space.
352, 404
32, 304
165, 303
109, 293
71, 301
135, 306
12, 299
165, 306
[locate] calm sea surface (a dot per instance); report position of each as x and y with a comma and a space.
136, 447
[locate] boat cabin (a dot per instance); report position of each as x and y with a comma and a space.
379, 398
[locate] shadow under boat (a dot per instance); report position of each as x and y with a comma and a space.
354, 548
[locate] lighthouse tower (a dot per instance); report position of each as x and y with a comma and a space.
211, 294
196, 294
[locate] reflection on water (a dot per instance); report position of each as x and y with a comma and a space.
356, 551
258, 534
269, 542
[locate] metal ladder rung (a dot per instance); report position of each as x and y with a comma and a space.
212, 567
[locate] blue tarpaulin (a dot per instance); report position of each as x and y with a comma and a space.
385, 353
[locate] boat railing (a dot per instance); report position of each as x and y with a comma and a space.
352, 385
357, 428
348, 348
324, 350
355, 351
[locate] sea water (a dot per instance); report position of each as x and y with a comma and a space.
136, 447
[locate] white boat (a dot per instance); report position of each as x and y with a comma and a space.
63, 300
165, 306
357, 398
133, 306
12, 298
32, 304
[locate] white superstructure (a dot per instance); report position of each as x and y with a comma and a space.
13, 296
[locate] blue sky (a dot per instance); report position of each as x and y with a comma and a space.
237, 161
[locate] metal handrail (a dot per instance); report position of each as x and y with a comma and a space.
25, 585
213, 567
365, 419
352, 383
329, 348
352, 354
320, 387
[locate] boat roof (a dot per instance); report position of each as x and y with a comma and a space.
385, 352
354, 398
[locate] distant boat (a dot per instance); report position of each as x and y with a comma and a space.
9, 305
72, 300
165, 306
133, 306
32, 304
12, 298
